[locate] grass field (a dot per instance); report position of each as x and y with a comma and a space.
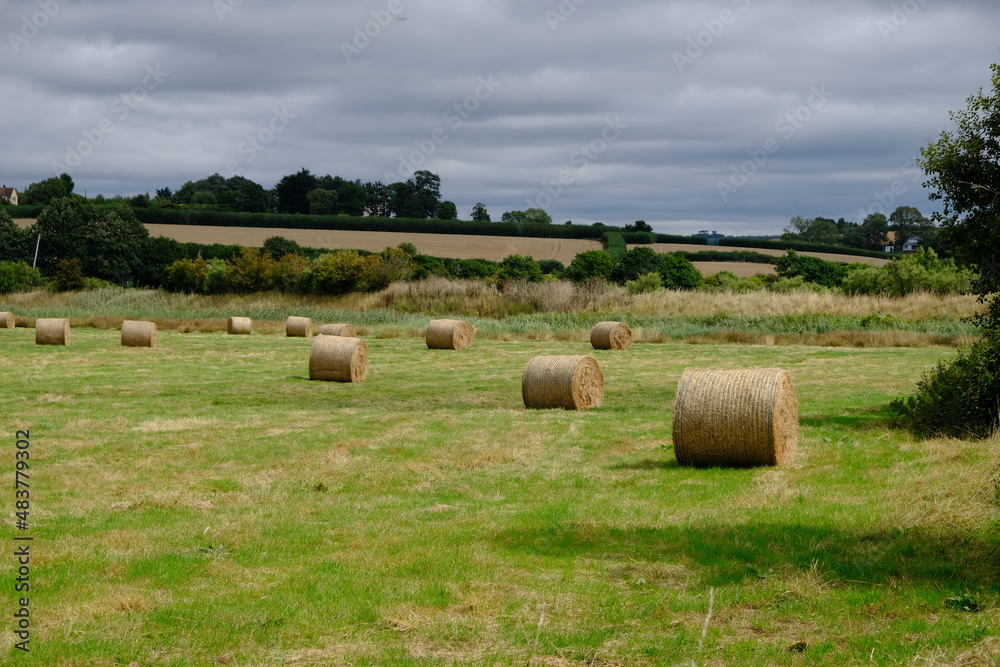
204, 503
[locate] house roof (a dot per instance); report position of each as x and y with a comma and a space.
6, 192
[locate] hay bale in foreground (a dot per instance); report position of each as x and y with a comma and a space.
338, 359
299, 327
735, 418
611, 336
343, 330
7, 320
569, 382
450, 335
138, 334
239, 326
51, 331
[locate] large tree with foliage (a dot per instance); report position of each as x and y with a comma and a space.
293, 192
43, 192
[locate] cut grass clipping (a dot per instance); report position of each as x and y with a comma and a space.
338, 359
299, 327
7, 320
741, 418
51, 331
611, 336
239, 326
344, 330
138, 334
450, 335
569, 382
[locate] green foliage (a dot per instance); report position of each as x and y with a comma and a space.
677, 272
251, 271
812, 269
18, 277
727, 256
589, 265
381, 270
796, 284
292, 273
447, 210
519, 267
614, 245
551, 267
922, 271
409, 249
419, 197
322, 202
639, 237
336, 272
531, 216
687, 240
44, 192
958, 398
726, 281
636, 262
640, 226
470, 269
279, 246
293, 191
812, 230
647, 282
216, 278
479, 213
69, 275
14, 241
186, 275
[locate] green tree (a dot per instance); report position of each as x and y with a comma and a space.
447, 211
677, 272
14, 241
519, 267
636, 262
322, 202
479, 213
279, 246
875, 231
293, 191
43, 192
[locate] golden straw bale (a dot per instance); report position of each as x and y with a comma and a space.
239, 326
611, 336
7, 320
735, 418
570, 382
450, 335
299, 327
138, 334
344, 330
338, 359
51, 331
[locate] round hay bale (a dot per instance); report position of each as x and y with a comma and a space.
138, 334
343, 330
239, 326
735, 418
570, 382
450, 335
51, 331
611, 336
299, 327
7, 320
338, 359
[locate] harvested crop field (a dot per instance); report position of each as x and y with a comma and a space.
829, 256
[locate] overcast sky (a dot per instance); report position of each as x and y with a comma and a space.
732, 115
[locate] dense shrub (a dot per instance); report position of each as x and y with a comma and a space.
959, 398
15, 243
18, 277
381, 270
472, 269
519, 267
677, 272
186, 275
648, 282
292, 273
590, 264
726, 281
812, 269
279, 246
552, 267
251, 271
639, 238
68, 275
336, 272
688, 240
216, 277
727, 256
922, 271
636, 262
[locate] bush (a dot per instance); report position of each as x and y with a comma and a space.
18, 277
292, 274
69, 275
186, 275
960, 398
676, 272
279, 246
636, 262
381, 270
336, 272
812, 269
648, 282
251, 271
796, 284
590, 264
551, 267
519, 267
216, 278
922, 271
726, 281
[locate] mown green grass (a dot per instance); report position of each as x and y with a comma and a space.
204, 500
